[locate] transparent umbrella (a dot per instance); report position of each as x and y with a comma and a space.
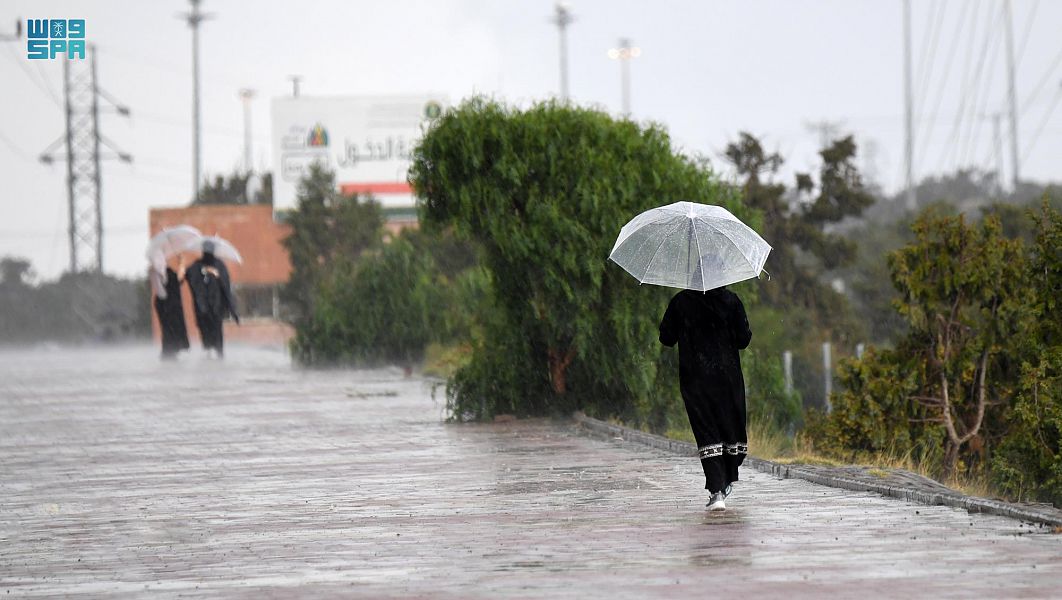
221, 247
172, 240
690, 246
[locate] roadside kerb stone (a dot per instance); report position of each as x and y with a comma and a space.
1045, 515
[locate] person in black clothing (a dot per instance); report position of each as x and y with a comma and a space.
710, 327
166, 284
208, 278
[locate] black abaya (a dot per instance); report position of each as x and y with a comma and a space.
212, 296
170, 311
710, 328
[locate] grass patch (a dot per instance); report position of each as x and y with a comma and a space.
769, 443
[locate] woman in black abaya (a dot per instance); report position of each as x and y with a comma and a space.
710, 327
212, 295
166, 284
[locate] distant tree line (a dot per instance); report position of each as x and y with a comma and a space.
77, 307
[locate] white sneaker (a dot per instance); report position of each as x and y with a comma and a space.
718, 502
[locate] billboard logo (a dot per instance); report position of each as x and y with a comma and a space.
432, 110
318, 137
48, 38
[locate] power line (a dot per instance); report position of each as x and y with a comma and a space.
33, 79
1025, 35
929, 53
973, 124
1043, 123
1043, 81
953, 137
944, 81
15, 149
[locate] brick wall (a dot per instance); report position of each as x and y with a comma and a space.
265, 261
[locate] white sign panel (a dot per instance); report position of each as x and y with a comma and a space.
366, 140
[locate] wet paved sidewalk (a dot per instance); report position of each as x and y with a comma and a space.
120, 476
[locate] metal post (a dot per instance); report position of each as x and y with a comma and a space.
787, 369
248, 160
1011, 96
194, 18
908, 108
860, 349
997, 138
96, 158
72, 228
827, 373
624, 53
625, 74
562, 19
195, 100
295, 79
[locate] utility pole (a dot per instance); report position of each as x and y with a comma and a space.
1011, 96
246, 95
295, 79
4, 37
908, 109
194, 18
83, 141
624, 54
562, 18
997, 141
828, 131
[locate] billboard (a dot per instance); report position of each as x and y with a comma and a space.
366, 140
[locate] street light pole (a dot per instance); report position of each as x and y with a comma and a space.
562, 18
194, 18
624, 54
246, 95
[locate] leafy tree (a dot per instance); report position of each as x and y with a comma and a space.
799, 309
544, 192
961, 292
386, 307
326, 228
233, 190
15, 271
1029, 460
799, 232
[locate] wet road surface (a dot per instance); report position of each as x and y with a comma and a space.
121, 476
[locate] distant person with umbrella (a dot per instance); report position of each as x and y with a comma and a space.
166, 285
211, 288
702, 249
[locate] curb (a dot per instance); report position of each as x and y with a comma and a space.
956, 500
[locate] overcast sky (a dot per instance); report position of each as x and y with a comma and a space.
708, 69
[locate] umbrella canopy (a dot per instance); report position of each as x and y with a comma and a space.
690, 246
221, 247
170, 241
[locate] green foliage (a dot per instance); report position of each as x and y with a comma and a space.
327, 229
766, 398
806, 311
1029, 460
1028, 463
873, 412
543, 193
233, 190
376, 311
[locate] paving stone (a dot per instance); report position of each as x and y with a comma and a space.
121, 476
